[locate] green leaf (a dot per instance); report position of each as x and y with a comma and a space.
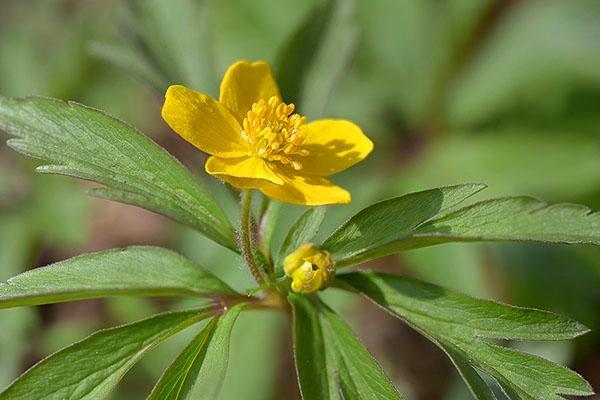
163, 43
131, 60
90, 369
520, 69
82, 142
304, 230
512, 219
375, 230
314, 58
511, 160
463, 325
178, 34
209, 371
16, 241
417, 220
309, 351
267, 224
133, 271
173, 380
266, 331
477, 386
295, 57
360, 376
332, 56
330, 361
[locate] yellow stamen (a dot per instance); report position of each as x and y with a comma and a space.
273, 132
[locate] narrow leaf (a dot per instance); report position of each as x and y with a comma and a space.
198, 372
332, 54
310, 353
83, 142
296, 56
133, 271
359, 375
131, 60
267, 224
208, 372
332, 364
461, 324
176, 38
302, 231
90, 369
170, 385
370, 233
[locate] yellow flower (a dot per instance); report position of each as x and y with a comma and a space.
311, 269
258, 142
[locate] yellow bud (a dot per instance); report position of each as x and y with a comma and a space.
311, 269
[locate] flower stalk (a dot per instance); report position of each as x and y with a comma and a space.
246, 238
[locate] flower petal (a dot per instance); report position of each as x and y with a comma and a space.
244, 183
334, 145
244, 84
309, 190
203, 122
304, 190
254, 168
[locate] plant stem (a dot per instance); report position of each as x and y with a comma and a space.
246, 239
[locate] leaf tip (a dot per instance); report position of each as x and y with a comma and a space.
580, 329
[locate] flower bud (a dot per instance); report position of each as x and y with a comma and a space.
311, 269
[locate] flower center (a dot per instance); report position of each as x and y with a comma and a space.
272, 130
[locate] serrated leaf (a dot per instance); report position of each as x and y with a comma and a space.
133, 271
412, 222
332, 364
371, 232
513, 219
463, 325
82, 142
90, 369
304, 230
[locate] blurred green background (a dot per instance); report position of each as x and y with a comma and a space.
495, 91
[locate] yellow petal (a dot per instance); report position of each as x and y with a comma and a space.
246, 83
334, 145
244, 183
309, 190
203, 122
254, 168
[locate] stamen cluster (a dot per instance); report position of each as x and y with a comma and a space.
273, 131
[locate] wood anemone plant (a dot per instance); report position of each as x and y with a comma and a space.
331, 362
